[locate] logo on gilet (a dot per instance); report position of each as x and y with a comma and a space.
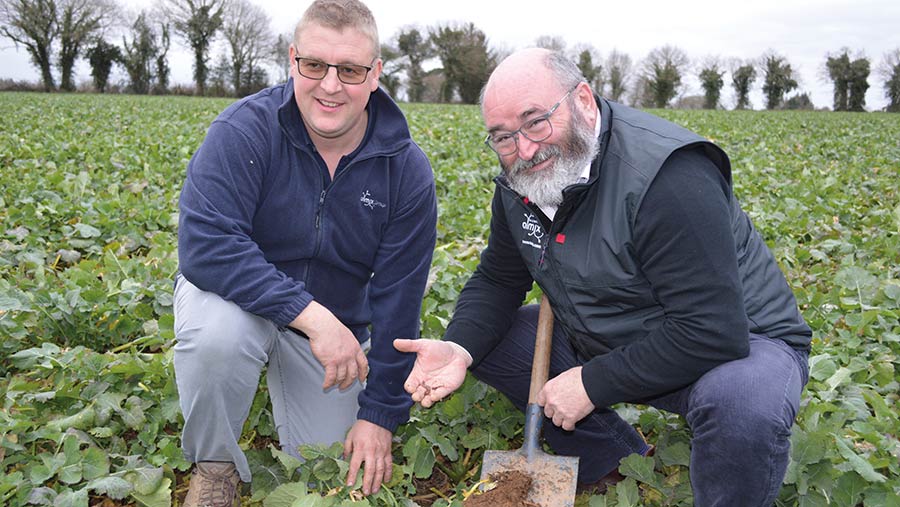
532, 226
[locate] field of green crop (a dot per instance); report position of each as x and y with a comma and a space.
88, 191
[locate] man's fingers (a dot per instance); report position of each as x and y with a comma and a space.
355, 462
405, 345
362, 366
377, 476
369, 474
330, 377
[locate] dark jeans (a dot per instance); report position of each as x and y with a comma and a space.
740, 413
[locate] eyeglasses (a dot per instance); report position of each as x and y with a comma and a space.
348, 73
535, 130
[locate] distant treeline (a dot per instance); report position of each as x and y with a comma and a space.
458, 56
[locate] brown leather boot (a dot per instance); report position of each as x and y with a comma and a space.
213, 484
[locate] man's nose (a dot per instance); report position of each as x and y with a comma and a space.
331, 83
527, 147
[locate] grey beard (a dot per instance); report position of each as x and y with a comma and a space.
544, 188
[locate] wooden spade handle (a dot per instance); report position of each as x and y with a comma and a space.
540, 367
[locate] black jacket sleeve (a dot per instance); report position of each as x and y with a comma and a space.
487, 304
685, 245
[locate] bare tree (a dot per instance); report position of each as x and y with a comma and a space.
663, 69
618, 72
197, 22
890, 72
551, 42
249, 35
162, 65
79, 23
33, 24
279, 54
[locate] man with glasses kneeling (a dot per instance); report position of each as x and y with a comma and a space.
664, 293
307, 225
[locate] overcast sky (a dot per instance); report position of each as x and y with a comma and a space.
803, 31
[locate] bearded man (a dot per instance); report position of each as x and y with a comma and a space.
663, 292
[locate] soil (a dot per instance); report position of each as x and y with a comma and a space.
511, 491
426, 488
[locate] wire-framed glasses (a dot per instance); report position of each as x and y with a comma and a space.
535, 130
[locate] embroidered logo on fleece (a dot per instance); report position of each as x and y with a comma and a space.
368, 202
533, 226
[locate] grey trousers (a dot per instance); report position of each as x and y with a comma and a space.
220, 353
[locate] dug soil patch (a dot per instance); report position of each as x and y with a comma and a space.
511, 491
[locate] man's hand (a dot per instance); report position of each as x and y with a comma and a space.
370, 444
565, 400
440, 368
333, 345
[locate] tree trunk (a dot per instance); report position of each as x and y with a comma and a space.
43, 61
200, 70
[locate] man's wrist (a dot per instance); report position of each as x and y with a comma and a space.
463, 352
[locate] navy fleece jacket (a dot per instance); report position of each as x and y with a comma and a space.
262, 224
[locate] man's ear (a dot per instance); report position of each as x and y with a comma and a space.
376, 73
584, 100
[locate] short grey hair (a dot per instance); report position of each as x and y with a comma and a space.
340, 15
567, 74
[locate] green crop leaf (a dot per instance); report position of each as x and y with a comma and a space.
69, 498
849, 489
42, 496
313, 500
81, 420
419, 452
821, 367
86, 231
858, 463
288, 462
71, 474
814, 499
678, 453
326, 469
267, 473
95, 463
641, 468
146, 480
285, 495
627, 493
808, 448
116, 488
160, 497
882, 499
840, 377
